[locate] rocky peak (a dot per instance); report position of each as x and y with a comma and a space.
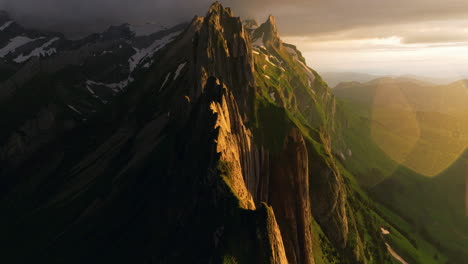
216, 6
217, 10
267, 33
223, 51
271, 25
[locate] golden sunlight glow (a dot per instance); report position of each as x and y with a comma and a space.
395, 127
427, 142
385, 56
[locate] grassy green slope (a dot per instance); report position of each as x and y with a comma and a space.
432, 209
280, 84
354, 146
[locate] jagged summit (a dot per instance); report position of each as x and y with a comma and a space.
223, 48
267, 34
218, 8
271, 23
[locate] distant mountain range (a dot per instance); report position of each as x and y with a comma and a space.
334, 78
407, 92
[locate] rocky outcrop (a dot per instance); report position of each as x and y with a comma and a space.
270, 232
234, 143
281, 179
310, 97
289, 196
267, 34
223, 51
328, 194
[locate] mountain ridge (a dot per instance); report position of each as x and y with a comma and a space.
335, 78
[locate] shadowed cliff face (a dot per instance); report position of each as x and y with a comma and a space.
328, 195
309, 97
289, 195
279, 178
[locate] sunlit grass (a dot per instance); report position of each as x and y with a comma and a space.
426, 142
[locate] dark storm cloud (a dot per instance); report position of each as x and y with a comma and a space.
295, 17
92, 15
299, 17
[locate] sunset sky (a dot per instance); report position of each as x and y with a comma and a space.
423, 37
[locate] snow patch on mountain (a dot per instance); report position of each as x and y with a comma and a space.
267, 58
273, 97
106, 52
90, 89
89, 83
15, 43
310, 74
6, 25
141, 54
116, 87
259, 41
308, 71
179, 69
137, 59
165, 81
395, 255
38, 52
384, 231
74, 109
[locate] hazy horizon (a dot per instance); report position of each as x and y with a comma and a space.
431, 79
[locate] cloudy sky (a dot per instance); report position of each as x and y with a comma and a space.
424, 37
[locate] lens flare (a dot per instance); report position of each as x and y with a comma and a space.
425, 139
395, 128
